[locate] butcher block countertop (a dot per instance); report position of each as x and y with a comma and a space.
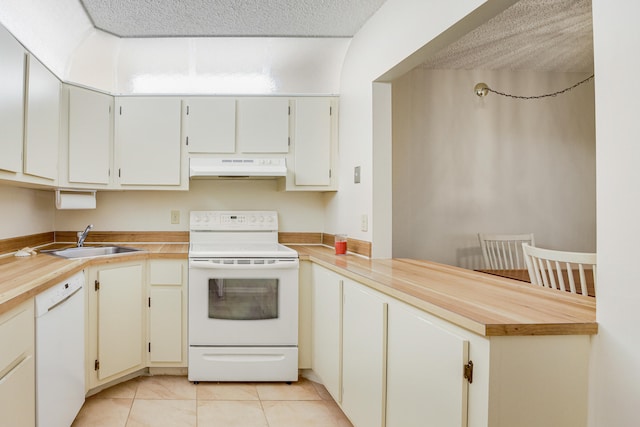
485, 304
24, 277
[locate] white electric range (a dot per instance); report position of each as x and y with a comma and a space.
243, 298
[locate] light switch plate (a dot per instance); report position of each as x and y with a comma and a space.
364, 222
175, 217
356, 175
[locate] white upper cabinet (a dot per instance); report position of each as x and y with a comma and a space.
263, 125
314, 149
147, 140
42, 122
312, 141
11, 102
90, 136
210, 124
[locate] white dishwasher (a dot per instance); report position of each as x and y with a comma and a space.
60, 352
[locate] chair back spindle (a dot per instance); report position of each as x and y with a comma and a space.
553, 269
504, 251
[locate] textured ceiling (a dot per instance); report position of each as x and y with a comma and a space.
230, 18
545, 35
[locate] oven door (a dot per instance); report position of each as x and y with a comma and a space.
243, 302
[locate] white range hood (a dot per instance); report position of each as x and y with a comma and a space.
237, 167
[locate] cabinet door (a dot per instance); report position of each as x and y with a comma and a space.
120, 325
210, 125
312, 141
263, 125
363, 355
17, 366
326, 327
89, 136
17, 394
167, 317
425, 382
11, 102
165, 325
42, 122
147, 132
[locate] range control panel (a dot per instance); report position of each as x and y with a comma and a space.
233, 221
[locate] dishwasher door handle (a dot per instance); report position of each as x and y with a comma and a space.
62, 301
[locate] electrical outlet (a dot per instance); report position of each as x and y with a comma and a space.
364, 222
175, 217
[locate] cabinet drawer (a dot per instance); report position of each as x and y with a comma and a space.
17, 395
16, 336
163, 272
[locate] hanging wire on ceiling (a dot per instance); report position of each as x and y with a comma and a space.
481, 89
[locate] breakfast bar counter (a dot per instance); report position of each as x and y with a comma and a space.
484, 304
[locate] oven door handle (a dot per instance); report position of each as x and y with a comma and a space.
278, 264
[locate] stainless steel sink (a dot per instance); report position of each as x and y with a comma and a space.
89, 251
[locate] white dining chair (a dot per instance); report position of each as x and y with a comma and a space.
504, 251
551, 268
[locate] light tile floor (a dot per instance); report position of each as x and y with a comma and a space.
173, 401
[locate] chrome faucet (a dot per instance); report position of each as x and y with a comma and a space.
82, 235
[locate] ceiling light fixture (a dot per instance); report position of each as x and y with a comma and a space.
482, 90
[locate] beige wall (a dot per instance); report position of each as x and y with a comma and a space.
25, 211
151, 210
464, 164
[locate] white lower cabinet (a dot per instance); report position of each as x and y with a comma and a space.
305, 298
424, 371
116, 322
326, 325
167, 305
363, 355
17, 366
137, 318
389, 364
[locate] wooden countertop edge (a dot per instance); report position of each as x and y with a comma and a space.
332, 262
31, 288
340, 265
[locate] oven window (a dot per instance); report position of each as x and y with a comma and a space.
243, 299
